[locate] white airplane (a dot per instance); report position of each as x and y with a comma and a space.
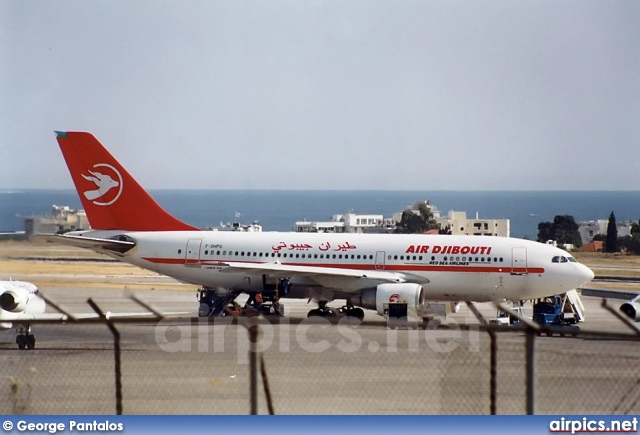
20, 303
367, 270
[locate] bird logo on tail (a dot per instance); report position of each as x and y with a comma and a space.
104, 183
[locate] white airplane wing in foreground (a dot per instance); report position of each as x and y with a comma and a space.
59, 317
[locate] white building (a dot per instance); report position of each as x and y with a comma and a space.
348, 223
589, 229
62, 219
459, 225
376, 223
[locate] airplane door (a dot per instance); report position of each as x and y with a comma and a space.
518, 261
192, 254
380, 260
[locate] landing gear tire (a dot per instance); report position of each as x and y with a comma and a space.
26, 341
319, 312
358, 313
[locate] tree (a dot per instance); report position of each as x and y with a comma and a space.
417, 221
633, 243
563, 230
611, 242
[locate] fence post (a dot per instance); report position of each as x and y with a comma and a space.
116, 354
531, 372
253, 369
493, 381
532, 329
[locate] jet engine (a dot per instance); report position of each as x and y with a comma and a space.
21, 297
14, 300
374, 299
631, 309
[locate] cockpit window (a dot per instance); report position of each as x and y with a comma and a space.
559, 259
555, 259
572, 260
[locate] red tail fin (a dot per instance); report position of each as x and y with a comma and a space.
112, 198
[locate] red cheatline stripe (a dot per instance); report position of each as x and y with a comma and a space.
391, 268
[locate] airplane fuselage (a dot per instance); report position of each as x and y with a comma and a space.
450, 267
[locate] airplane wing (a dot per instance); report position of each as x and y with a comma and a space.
324, 275
609, 293
104, 245
79, 317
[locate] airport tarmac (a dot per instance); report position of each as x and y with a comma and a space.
190, 366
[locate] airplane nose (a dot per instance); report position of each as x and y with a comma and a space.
586, 273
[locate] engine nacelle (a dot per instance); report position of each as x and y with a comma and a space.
374, 299
14, 301
631, 310
21, 297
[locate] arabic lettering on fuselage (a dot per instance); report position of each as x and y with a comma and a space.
305, 246
345, 247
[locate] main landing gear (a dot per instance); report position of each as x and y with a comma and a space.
25, 339
324, 311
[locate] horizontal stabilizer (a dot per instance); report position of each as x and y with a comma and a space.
100, 245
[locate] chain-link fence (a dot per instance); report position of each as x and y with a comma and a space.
315, 366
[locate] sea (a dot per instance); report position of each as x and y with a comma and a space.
278, 210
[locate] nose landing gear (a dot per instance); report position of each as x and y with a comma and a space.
24, 339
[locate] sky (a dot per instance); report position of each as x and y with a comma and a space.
355, 94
